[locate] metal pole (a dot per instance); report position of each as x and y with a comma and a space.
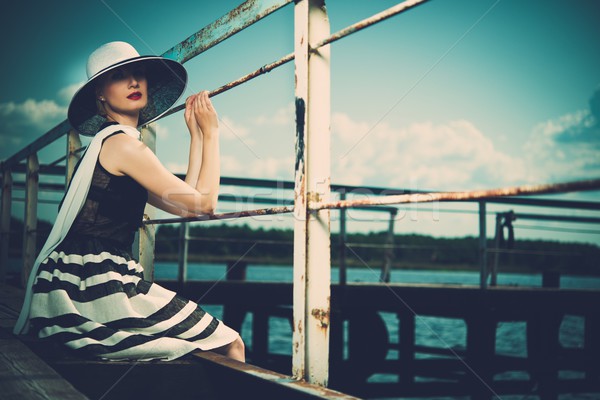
482, 247
146, 233
30, 220
479, 195
389, 251
184, 234
5, 222
342, 242
73, 144
312, 258
494, 278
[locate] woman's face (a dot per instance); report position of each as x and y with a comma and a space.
124, 91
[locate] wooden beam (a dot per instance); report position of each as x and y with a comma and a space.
5, 222
30, 219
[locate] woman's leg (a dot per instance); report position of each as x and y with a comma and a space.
235, 350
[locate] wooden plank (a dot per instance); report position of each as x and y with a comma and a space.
23, 375
30, 217
251, 379
116, 380
5, 221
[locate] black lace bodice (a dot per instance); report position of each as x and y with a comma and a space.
113, 209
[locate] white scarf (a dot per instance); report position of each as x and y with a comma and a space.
72, 204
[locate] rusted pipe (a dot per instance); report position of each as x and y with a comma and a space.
365, 23
260, 71
228, 215
236, 20
593, 184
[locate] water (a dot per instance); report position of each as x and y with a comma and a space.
281, 273
448, 333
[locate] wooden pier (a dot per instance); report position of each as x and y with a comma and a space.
420, 370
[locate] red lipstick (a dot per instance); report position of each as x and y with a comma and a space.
135, 96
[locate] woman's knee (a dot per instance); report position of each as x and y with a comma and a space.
237, 349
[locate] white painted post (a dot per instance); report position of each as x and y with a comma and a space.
184, 234
146, 234
312, 258
342, 242
386, 270
5, 222
73, 144
30, 220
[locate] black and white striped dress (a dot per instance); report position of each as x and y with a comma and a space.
90, 295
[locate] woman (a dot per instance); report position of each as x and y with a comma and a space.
85, 290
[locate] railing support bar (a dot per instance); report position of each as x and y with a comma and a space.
184, 235
30, 220
483, 272
342, 243
147, 233
5, 222
312, 258
386, 270
73, 156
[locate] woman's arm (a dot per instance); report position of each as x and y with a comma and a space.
123, 155
195, 157
210, 172
164, 205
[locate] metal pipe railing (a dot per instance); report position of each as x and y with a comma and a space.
367, 22
593, 184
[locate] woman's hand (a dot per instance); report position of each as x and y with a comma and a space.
190, 117
205, 114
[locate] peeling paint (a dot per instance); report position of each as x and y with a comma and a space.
236, 20
322, 316
314, 196
300, 120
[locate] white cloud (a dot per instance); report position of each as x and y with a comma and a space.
282, 117
66, 94
21, 123
267, 168
565, 148
176, 167
162, 132
450, 156
32, 112
231, 130
231, 166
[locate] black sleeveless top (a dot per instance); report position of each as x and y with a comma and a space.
113, 209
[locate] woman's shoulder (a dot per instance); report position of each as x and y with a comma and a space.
120, 142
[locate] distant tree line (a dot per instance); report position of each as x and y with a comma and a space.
211, 242
369, 249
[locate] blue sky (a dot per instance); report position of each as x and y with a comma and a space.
453, 95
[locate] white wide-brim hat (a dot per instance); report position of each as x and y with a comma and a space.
166, 78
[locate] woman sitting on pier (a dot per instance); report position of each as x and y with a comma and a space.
85, 290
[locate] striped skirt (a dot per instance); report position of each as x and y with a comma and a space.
92, 297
